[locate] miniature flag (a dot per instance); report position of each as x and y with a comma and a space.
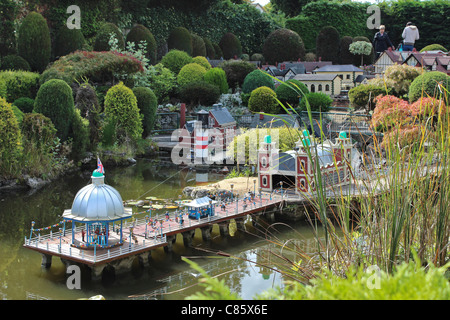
100, 167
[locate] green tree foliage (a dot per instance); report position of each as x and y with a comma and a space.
217, 77
291, 8
363, 96
210, 51
180, 39
17, 84
11, 137
87, 102
398, 77
198, 46
201, 60
283, 45
191, 72
345, 56
26, 105
318, 101
327, 44
230, 45
79, 134
200, 93
217, 51
67, 41
140, 33
121, 110
162, 82
290, 92
264, 99
433, 84
147, 104
38, 130
103, 35
13, 62
34, 44
8, 14
256, 79
174, 60
361, 48
367, 59
236, 71
55, 101
433, 47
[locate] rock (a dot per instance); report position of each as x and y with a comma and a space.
131, 160
187, 191
35, 183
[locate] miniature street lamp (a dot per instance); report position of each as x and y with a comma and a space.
281, 185
254, 186
231, 186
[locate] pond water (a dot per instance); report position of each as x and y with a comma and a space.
167, 277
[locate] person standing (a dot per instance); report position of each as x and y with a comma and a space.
410, 35
381, 42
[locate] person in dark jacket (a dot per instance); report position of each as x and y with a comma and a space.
381, 42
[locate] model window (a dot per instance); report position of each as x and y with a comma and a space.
264, 181
320, 88
264, 162
327, 87
302, 184
348, 76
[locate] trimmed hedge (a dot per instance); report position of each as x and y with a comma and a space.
147, 104
198, 46
10, 137
87, 102
433, 47
200, 93
202, 61
103, 36
68, 41
34, 44
174, 60
327, 44
217, 77
363, 96
318, 101
256, 79
231, 46
13, 62
180, 39
283, 45
264, 99
140, 33
191, 72
26, 105
210, 51
236, 71
290, 92
427, 85
18, 84
345, 56
55, 100
38, 130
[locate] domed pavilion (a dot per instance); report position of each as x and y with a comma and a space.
98, 207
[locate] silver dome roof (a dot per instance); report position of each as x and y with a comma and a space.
97, 202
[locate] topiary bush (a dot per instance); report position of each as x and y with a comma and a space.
363, 96
25, 104
33, 42
79, 134
367, 59
103, 36
55, 100
87, 102
210, 51
327, 44
263, 99
217, 77
290, 92
230, 46
202, 61
162, 82
140, 33
256, 79
10, 137
68, 41
236, 72
434, 47
191, 72
258, 57
13, 62
147, 104
38, 130
283, 45
17, 84
200, 93
174, 60
428, 84
180, 39
198, 46
122, 112
345, 56
318, 101
218, 51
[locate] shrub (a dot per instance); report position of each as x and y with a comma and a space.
283, 45
236, 71
34, 44
202, 61
121, 109
103, 35
428, 84
217, 77
263, 99
256, 79
68, 41
97, 66
230, 46
363, 96
13, 62
366, 59
200, 93
198, 46
390, 111
218, 51
257, 57
180, 39
79, 134
87, 102
290, 92
147, 104
26, 105
18, 84
55, 100
38, 130
434, 47
361, 48
210, 51
428, 107
245, 57
345, 56
174, 60
162, 82
140, 33
10, 137
318, 101
327, 44
191, 72
399, 77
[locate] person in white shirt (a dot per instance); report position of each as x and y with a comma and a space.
410, 35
